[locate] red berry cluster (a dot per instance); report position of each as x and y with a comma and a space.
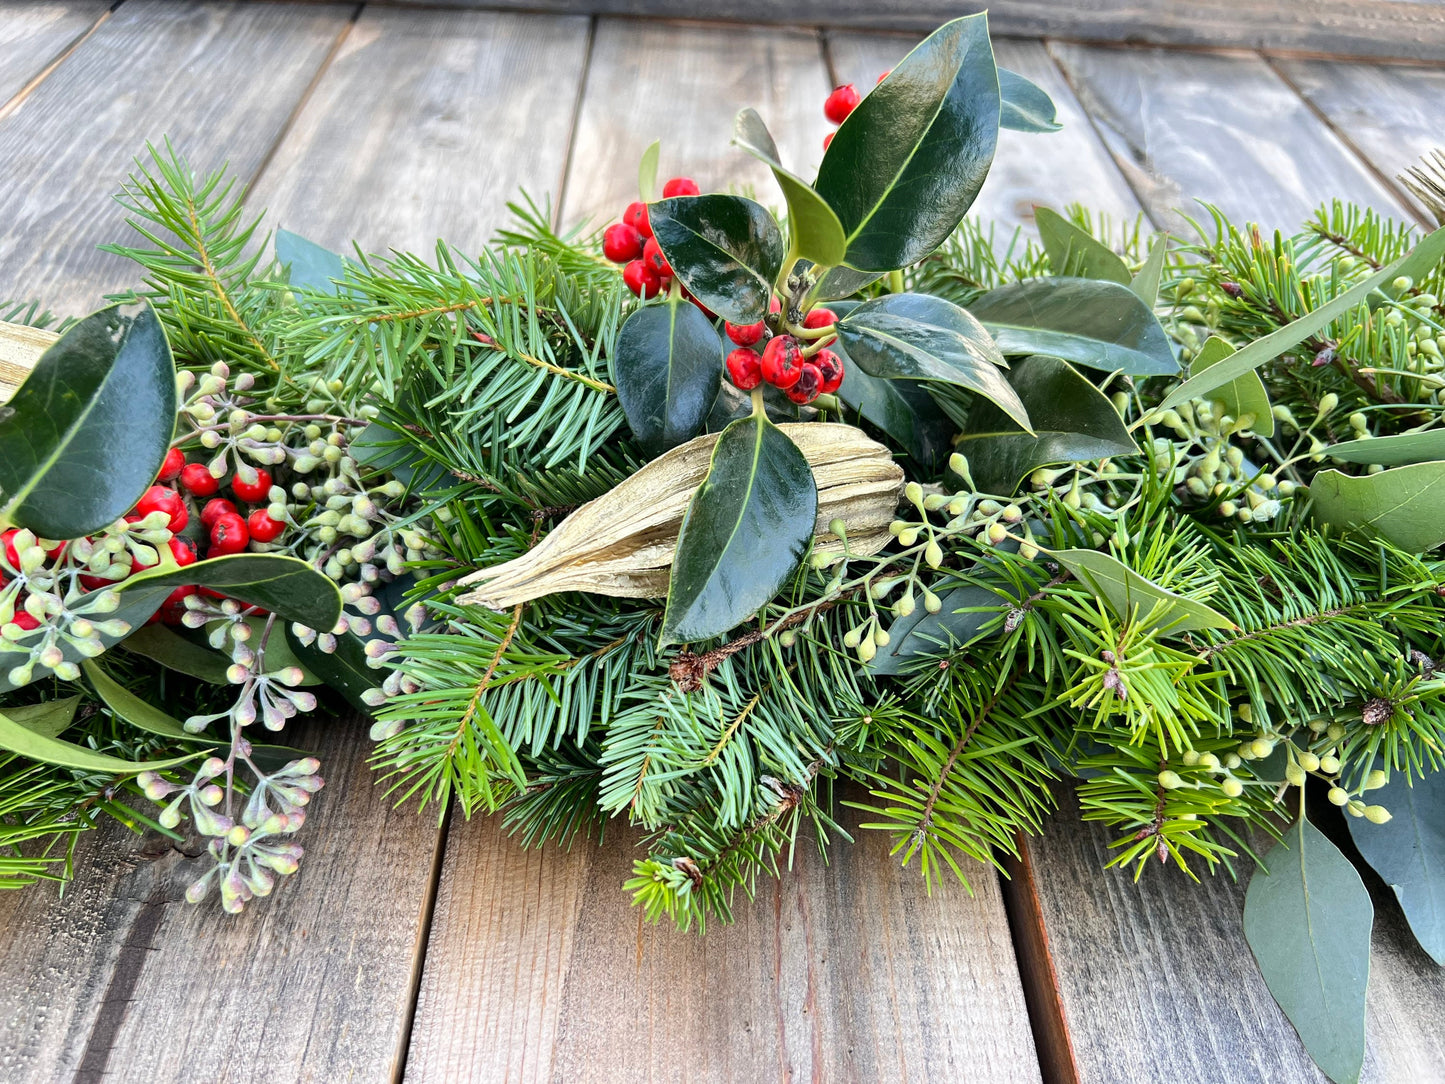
840, 103
783, 362
630, 243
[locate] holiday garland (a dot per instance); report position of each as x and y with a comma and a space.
860, 494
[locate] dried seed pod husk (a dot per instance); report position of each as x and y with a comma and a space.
20, 349
622, 543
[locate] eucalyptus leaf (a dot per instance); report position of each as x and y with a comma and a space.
310, 266
108, 383
1073, 422
173, 651
1393, 451
1145, 282
288, 587
1245, 394
382, 448
1025, 106
668, 366
1307, 918
964, 612
1408, 852
746, 530
1404, 505
1090, 322
49, 718
1076, 253
816, 233
920, 337
1420, 261
901, 408
726, 250
64, 754
647, 171
906, 165
1134, 598
132, 708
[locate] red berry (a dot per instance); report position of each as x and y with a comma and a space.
828, 139
252, 492
782, 361
840, 103
95, 583
24, 619
636, 217
174, 607
228, 535
12, 555
214, 509
809, 383
621, 243
655, 260
171, 466
831, 368
182, 551
196, 479
57, 551
820, 318
641, 279
745, 334
262, 527
681, 186
745, 368
884, 76
167, 500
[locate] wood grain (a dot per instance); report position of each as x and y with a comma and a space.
539, 969
34, 33
455, 119
220, 80
20, 349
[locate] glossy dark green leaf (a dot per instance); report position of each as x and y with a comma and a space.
1025, 106
1089, 322
746, 530
107, 383
1394, 451
1307, 918
1073, 422
964, 612
814, 230
1132, 597
173, 651
1408, 852
667, 366
1245, 394
840, 282
1075, 253
36, 746
901, 408
920, 337
647, 172
132, 708
347, 669
288, 587
1145, 282
905, 166
310, 266
726, 250
49, 718
1404, 505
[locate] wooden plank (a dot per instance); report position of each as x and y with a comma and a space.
540, 970
220, 80
1224, 129
20, 349
1050, 170
1390, 115
35, 33
461, 121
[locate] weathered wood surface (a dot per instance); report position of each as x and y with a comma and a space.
540, 970
34, 34
20, 349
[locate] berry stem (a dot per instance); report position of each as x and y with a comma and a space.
895, 282
759, 410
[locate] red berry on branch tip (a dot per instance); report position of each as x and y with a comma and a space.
262, 527
214, 509
653, 257
167, 500
198, 481
820, 318
171, 466
681, 186
782, 361
830, 366
745, 368
828, 139
641, 279
808, 385
228, 535
621, 243
252, 492
745, 334
636, 217
182, 551
841, 102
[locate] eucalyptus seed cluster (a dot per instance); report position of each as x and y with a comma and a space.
263, 692
1319, 758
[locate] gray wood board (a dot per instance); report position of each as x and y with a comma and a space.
34, 33
221, 80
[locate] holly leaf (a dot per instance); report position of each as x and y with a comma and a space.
37, 746
816, 233
920, 337
287, 586
840, 282
108, 383
132, 708
1245, 394
1024, 105
964, 613
1395, 451
1076, 253
1404, 505
1307, 918
1408, 852
745, 533
901, 408
1101, 325
1134, 598
906, 165
668, 367
727, 251
1073, 422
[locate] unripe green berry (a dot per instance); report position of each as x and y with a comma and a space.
1170, 780
1356, 809
1376, 779
1295, 775
1309, 762
1376, 814
1338, 796
1232, 787
1329, 764
1261, 747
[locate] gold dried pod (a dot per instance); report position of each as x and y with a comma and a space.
621, 544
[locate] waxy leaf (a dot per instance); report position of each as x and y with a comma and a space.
1134, 598
905, 166
1404, 505
840, 282
1421, 260
966, 610
726, 250
1394, 451
1408, 852
1245, 394
745, 533
1075, 253
1025, 107
311, 266
668, 367
49, 718
173, 651
647, 172
288, 587
1307, 918
1145, 282
37, 746
901, 408
347, 669
920, 337
1101, 325
132, 708
107, 384
816, 233
1073, 422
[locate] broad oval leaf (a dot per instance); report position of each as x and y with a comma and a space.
1245, 394
965, 611
1408, 852
901, 408
647, 172
173, 651
920, 337
727, 251
745, 533
1101, 325
840, 282
64, 754
1393, 451
1404, 505
132, 708
1075, 253
1025, 106
1307, 918
49, 718
1073, 422
287, 586
906, 165
816, 233
108, 383
1134, 598
309, 265
668, 368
